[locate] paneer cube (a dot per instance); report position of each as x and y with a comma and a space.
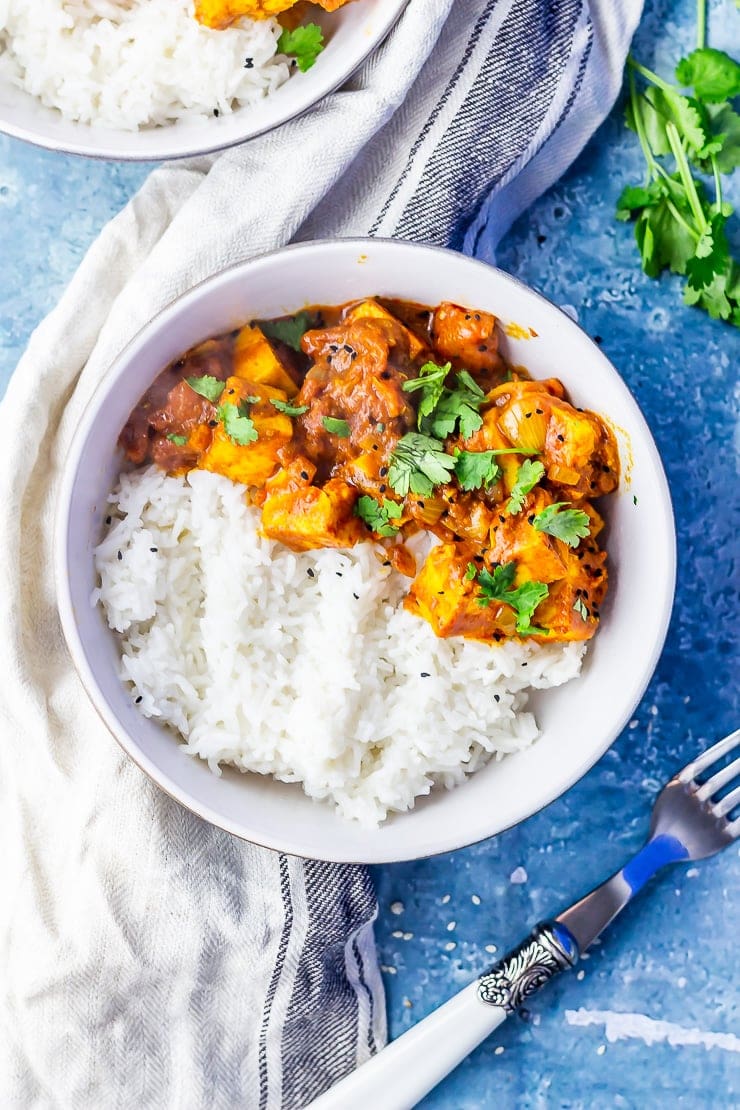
443, 595
256, 361
253, 463
371, 310
308, 518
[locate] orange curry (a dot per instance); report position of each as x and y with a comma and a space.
379, 419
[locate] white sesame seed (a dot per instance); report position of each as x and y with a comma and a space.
445, 899
518, 876
451, 925
601, 1050
581, 976
408, 936
474, 898
396, 907
491, 948
398, 934
450, 946
498, 1050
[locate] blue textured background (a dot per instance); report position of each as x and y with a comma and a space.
674, 956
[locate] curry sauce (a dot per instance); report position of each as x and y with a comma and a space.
381, 419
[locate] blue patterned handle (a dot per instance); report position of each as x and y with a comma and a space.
549, 949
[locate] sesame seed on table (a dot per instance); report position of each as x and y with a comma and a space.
671, 959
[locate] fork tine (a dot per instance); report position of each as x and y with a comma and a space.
707, 758
734, 827
711, 786
724, 805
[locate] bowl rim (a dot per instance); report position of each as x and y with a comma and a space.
162, 780
102, 153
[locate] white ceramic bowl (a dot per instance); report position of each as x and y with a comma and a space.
579, 721
352, 33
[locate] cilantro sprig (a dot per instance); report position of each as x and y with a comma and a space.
418, 464
523, 599
569, 525
476, 469
303, 43
379, 516
431, 385
289, 331
680, 220
287, 409
527, 477
336, 427
237, 423
178, 440
456, 407
207, 386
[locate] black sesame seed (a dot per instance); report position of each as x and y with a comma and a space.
120, 556
524, 664
561, 438
311, 573
334, 347
375, 447
425, 674
541, 239
497, 697
216, 112
477, 558
539, 412
386, 563
212, 423
383, 471
108, 519
154, 550
304, 475
420, 504
348, 349
527, 415
477, 315
338, 573
467, 315
356, 596
249, 63
482, 348
502, 520
139, 700
385, 376
230, 392
383, 487
456, 538
440, 593
530, 518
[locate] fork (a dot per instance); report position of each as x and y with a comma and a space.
689, 822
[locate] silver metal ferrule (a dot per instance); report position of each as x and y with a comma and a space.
547, 951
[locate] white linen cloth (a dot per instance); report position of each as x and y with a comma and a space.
146, 959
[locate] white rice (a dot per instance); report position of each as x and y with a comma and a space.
302, 666
129, 64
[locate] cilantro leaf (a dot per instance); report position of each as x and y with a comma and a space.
418, 464
431, 382
304, 44
523, 600
726, 125
460, 405
471, 572
711, 256
379, 516
527, 477
209, 387
290, 331
568, 525
336, 427
633, 198
288, 409
476, 469
580, 608
179, 441
713, 75
237, 424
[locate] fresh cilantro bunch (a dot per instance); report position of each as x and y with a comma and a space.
680, 219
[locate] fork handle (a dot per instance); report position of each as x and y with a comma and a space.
399, 1076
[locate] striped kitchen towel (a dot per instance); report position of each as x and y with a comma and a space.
150, 960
